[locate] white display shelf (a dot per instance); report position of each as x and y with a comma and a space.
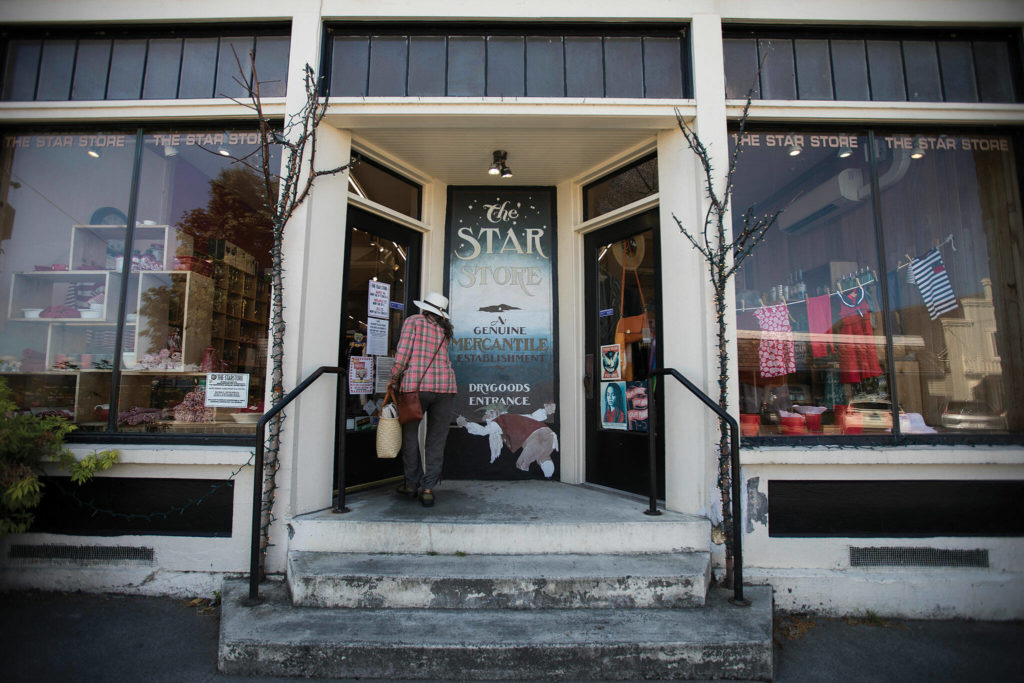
100, 247
41, 289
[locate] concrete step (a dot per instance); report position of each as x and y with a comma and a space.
277, 638
499, 518
376, 581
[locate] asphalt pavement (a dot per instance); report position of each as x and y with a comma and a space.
96, 637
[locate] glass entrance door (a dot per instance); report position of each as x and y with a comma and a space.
623, 312
380, 255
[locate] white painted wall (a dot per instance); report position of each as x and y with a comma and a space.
814, 574
183, 565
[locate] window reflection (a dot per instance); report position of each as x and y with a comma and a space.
623, 186
809, 302
951, 214
811, 299
191, 271
58, 328
200, 301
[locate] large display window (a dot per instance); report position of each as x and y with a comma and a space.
121, 309
882, 302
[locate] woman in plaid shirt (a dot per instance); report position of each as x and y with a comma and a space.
422, 364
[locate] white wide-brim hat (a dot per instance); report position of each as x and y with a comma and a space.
435, 303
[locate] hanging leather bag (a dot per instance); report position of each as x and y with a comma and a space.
630, 329
409, 407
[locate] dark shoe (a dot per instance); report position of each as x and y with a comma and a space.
427, 499
406, 491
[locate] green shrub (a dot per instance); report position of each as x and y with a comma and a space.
26, 444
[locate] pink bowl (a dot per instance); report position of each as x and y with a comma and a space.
793, 425
749, 424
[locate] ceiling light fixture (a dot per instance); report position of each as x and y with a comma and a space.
170, 151
794, 150
93, 153
845, 152
224, 151
499, 167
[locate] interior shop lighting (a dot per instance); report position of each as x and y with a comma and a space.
224, 151
845, 152
794, 150
93, 153
499, 165
170, 151
918, 150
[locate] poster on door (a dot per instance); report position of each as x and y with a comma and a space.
501, 285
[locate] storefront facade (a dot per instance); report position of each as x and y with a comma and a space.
874, 335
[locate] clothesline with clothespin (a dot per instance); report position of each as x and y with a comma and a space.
949, 239
838, 292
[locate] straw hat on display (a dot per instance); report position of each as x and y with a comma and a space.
435, 303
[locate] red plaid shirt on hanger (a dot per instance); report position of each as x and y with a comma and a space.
416, 346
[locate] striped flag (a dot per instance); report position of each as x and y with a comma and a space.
932, 279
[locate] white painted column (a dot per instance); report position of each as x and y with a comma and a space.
570, 297
313, 252
435, 197
316, 324
691, 430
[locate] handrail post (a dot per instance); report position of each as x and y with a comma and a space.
339, 441
737, 512
652, 458
257, 477
257, 500
734, 466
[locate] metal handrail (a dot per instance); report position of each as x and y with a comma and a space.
257, 486
734, 430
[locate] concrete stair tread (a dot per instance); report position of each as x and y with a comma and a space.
326, 564
579, 581
528, 517
276, 638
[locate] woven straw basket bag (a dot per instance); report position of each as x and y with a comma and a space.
389, 429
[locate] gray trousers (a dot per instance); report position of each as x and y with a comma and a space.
437, 411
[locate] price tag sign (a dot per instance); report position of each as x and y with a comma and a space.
227, 390
377, 299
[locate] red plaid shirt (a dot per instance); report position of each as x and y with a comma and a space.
416, 346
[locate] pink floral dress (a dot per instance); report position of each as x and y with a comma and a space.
775, 352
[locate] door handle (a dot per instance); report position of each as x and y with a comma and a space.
588, 377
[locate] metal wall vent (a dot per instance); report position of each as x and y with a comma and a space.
82, 553
917, 557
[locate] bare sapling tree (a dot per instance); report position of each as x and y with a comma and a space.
724, 253
282, 194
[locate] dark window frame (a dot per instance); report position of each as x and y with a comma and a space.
1011, 37
896, 439
140, 130
148, 32
640, 161
362, 158
483, 30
